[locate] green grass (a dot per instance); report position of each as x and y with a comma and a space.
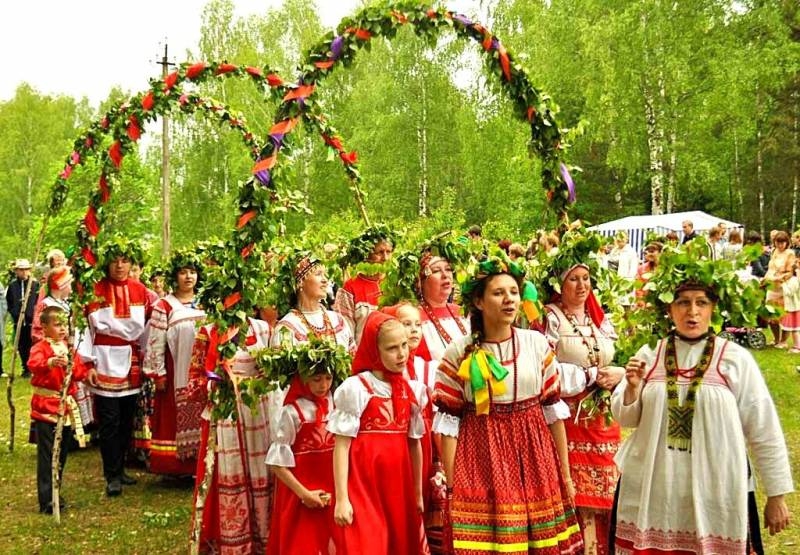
153, 516
150, 517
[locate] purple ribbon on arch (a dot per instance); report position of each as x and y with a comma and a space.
213, 376
336, 47
464, 20
277, 138
264, 177
573, 196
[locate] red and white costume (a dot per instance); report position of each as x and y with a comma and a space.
237, 509
381, 417
441, 326
172, 330
303, 445
112, 341
295, 328
355, 300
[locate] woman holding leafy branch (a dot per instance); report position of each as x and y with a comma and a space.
697, 403
583, 339
235, 515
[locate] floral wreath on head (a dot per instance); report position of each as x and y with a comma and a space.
120, 247
184, 258
359, 249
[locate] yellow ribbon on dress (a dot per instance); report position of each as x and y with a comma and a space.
482, 369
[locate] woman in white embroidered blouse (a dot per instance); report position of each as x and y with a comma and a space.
697, 403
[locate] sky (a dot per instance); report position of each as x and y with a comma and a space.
86, 47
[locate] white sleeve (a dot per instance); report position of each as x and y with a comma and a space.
350, 400
446, 424
628, 415
555, 412
280, 451
86, 346
416, 427
156, 350
760, 422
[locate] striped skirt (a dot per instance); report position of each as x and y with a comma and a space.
508, 492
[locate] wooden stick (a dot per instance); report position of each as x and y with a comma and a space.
56, 461
205, 486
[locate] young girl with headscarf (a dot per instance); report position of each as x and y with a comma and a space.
377, 456
301, 457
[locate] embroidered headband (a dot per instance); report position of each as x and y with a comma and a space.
304, 266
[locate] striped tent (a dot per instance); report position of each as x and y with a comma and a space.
638, 227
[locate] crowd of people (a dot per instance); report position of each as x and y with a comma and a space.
457, 431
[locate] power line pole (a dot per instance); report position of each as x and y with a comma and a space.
165, 190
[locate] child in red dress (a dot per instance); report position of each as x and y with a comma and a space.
377, 460
48, 365
301, 457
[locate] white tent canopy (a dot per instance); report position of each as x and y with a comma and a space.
638, 226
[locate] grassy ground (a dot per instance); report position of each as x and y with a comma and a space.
153, 516
150, 517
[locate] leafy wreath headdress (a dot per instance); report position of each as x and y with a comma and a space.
289, 269
184, 258
578, 246
739, 301
359, 248
402, 281
121, 247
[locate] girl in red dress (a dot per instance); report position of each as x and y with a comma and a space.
377, 456
301, 457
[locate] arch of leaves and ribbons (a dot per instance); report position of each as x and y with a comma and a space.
259, 198
124, 123
339, 49
229, 287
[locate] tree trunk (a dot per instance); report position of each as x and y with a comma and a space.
760, 167
737, 178
205, 485
796, 160
673, 162
422, 140
655, 148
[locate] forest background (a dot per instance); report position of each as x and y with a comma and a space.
670, 106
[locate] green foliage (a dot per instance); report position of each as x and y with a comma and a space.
360, 247
741, 301
278, 365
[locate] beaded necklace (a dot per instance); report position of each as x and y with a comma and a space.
680, 417
592, 351
443, 335
327, 326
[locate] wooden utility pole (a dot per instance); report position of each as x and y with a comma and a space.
165, 240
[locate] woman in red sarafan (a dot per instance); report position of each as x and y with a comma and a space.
377, 457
